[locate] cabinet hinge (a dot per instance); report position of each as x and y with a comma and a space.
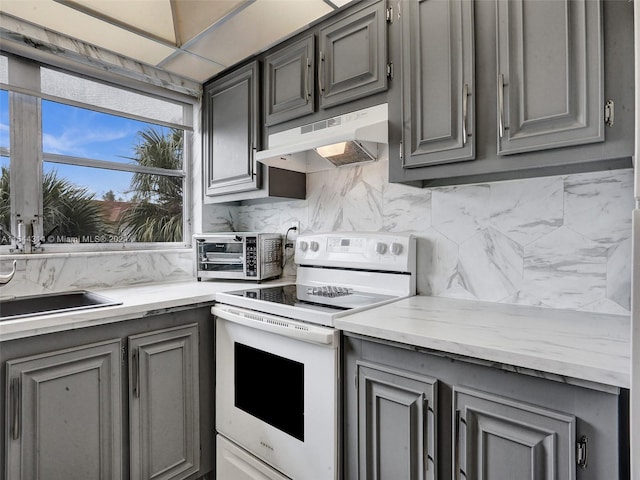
390, 70
355, 381
401, 151
581, 452
609, 113
389, 14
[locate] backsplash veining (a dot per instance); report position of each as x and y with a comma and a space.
561, 241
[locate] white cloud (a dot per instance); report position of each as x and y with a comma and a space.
73, 141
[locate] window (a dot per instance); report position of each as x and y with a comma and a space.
5, 200
111, 165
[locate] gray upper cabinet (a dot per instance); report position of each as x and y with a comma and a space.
289, 81
505, 89
500, 438
438, 96
550, 74
63, 415
230, 132
352, 60
163, 404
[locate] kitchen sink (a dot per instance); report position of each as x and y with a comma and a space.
21, 307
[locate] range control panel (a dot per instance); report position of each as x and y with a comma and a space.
367, 251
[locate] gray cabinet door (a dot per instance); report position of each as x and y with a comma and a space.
396, 424
164, 404
289, 82
498, 438
550, 74
64, 416
438, 104
353, 56
230, 132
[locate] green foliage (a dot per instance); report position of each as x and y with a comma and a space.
155, 214
70, 210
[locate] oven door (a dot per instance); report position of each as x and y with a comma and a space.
277, 390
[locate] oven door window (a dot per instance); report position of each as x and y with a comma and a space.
221, 257
270, 388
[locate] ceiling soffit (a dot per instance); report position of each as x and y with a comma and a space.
195, 39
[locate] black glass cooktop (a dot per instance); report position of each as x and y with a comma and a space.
337, 298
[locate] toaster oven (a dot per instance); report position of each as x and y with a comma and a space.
238, 255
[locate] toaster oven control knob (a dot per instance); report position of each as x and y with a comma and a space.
314, 246
381, 248
396, 248
303, 245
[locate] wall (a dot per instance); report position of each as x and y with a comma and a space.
561, 241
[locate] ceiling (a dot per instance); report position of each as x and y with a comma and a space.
195, 39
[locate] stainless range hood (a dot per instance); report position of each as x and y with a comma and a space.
349, 139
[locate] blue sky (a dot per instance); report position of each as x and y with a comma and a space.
79, 132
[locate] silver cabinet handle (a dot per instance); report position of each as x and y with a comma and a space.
136, 373
15, 408
465, 107
307, 88
321, 74
501, 104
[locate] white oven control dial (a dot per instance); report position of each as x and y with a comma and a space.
314, 246
303, 245
396, 248
381, 248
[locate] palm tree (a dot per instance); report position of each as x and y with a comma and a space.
69, 210
155, 214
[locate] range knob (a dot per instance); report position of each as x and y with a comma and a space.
381, 248
314, 246
303, 245
396, 248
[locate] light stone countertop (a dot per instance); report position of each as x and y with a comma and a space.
571, 344
578, 345
137, 301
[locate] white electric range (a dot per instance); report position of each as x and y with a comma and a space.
277, 354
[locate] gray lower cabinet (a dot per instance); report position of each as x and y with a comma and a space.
230, 132
550, 74
352, 59
128, 400
163, 404
422, 415
289, 81
396, 423
500, 438
438, 95
63, 416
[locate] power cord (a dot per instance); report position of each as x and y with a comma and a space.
287, 244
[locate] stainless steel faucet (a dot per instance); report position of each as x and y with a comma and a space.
6, 277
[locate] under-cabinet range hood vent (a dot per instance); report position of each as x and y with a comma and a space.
349, 139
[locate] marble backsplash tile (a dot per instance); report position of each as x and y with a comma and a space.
560, 241
37, 274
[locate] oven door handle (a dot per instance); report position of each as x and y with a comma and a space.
316, 334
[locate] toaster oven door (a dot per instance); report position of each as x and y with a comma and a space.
221, 258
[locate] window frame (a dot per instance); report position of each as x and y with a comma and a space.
25, 111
